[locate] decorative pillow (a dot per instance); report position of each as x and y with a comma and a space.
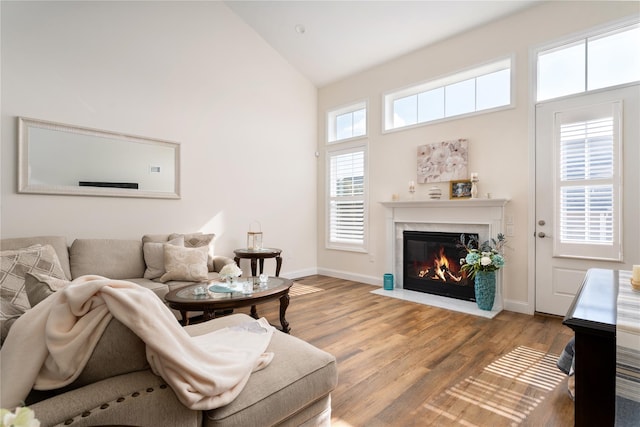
17, 263
154, 257
39, 286
187, 264
196, 240
8, 314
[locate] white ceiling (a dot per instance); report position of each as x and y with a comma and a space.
342, 38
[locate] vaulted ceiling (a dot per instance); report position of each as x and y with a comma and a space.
329, 40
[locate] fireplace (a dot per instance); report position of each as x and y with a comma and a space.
431, 264
483, 217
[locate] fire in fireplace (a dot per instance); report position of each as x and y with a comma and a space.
431, 264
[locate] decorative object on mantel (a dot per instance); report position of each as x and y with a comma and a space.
443, 161
481, 264
435, 192
474, 185
460, 189
412, 188
635, 278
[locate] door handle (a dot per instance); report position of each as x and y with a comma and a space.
542, 235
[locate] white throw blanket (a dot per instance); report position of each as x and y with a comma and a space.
49, 345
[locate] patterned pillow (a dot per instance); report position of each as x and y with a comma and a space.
8, 314
17, 263
39, 286
186, 264
196, 240
154, 257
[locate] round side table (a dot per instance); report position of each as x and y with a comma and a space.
256, 255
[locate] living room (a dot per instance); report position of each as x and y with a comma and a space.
252, 128
250, 125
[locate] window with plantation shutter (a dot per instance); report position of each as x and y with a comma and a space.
588, 183
347, 198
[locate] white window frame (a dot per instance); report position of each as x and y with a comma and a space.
331, 151
332, 116
573, 39
388, 98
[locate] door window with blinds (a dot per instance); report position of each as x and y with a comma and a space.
347, 201
588, 182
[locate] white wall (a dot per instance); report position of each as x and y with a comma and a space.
499, 142
190, 72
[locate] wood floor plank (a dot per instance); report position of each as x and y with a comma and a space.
407, 364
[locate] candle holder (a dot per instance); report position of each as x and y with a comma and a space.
474, 185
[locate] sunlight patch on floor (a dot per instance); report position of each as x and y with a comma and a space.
506, 391
337, 422
300, 289
529, 366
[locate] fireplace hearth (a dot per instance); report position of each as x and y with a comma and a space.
431, 264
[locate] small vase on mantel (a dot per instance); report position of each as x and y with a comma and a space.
485, 289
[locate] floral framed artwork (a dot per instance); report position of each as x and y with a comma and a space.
443, 161
460, 189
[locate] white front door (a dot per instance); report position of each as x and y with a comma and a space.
587, 191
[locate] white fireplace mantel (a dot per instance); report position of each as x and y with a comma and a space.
482, 216
437, 203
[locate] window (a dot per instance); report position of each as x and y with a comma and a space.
347, 208
347, 122
588, 182
591, 63
480, 89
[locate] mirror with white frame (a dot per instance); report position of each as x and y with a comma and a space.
55, 158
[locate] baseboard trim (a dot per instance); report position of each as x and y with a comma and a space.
369, 280
296, 274
518, 306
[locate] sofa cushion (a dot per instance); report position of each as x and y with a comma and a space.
112, 258
196, 240
9, 312
188, 264
154, 257
299, 375
58, 243
17, 263
39, 286
118, 351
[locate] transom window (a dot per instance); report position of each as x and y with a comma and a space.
347, 122
590, 63
482, 88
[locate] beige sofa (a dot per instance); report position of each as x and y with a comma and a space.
118, 388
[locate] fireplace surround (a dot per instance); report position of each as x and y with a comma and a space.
484, 217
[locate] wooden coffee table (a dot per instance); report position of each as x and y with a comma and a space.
185, 299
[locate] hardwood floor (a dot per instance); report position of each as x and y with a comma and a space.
407, 364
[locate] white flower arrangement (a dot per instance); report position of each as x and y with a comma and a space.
230, 271
21, 417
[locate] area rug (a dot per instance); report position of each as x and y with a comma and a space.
504, 393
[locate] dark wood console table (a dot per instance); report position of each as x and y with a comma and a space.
592, 316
